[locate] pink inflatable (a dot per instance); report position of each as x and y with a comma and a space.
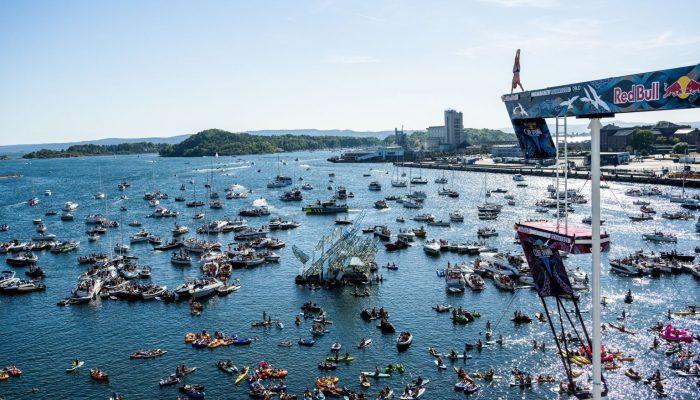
676, 335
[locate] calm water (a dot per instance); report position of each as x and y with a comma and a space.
42, 338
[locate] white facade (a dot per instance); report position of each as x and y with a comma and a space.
436, 136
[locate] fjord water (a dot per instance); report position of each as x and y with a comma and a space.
42, 338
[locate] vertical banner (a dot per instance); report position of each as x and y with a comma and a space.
546, 266
534, 138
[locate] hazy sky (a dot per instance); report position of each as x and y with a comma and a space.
76, 70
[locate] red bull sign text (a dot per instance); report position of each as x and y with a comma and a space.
638, 93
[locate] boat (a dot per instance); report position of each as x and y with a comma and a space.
227, 366
306, 342
375, 186
193, 391
403, 342
343, 221
431, 247
227, 289
658, 236
141, 354
365, 343
456, 216
170, 380
503, 282
640, 217
518, 178
205, 288
325, 207
98, 375
486, 232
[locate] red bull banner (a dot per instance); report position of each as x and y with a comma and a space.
546, 266
671, 89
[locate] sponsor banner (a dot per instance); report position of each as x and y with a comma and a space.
671, 89
534, 138
546, 266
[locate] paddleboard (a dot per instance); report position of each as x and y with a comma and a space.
441, 366
375, 375
77, 367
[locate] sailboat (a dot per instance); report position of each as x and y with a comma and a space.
419, 180
411, 202
214, 201
280, 180
395, 180
441, 179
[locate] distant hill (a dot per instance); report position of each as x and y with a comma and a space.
19, 149
217, 141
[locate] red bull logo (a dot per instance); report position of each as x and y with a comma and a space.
683, 88
637, 93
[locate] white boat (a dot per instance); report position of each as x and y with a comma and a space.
86, 289
658, 236
475, 282
99, 196
399, 183
412, 204
120, 248
375, 186
70, 206
456, 216
47, 192
627, 267
518, 178
205, 288
503, 282
424, 217
179, 229
454, 280
406, 236
432, 247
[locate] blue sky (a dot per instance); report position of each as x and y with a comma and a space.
77, 70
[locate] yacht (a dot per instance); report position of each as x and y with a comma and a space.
408, 203
375, 186
181, 258
70, 206
626, 266
658, 236
454, 280
400, 183
432, 247
179, 229
424, 217
325, 207
205, 288
419, 180
442, 180
456, 216
87, 289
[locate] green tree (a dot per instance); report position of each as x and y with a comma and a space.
680, 148
642, 140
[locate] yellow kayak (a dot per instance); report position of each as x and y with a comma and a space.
242, 375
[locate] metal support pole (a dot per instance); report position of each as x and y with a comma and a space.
556, 193
566, 178
595, 126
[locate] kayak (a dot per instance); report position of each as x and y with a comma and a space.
456, 356
242, 375
242, 341
365, 344
375, 375
346, 359
76, 367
